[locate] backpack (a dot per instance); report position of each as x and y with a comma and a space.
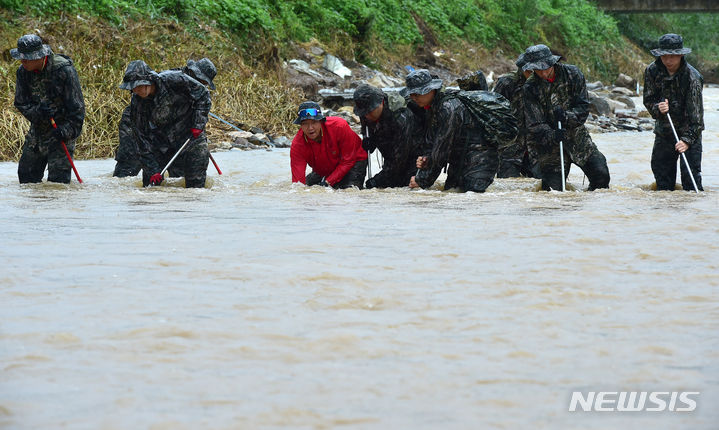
492, 111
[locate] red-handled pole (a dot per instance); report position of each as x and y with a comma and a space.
67, 153
216, 166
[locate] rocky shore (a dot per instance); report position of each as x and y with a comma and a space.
326, 79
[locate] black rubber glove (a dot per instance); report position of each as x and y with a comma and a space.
323, 183
58, 135
368, 145
559, 114
371, 183
559, 135
46, 111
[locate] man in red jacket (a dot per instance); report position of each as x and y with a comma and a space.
330, 147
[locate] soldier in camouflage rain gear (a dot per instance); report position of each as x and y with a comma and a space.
397, 134
166, 110
519, 158
558, 93
473, 82
672, 85
48, 87
456, 135
127, 154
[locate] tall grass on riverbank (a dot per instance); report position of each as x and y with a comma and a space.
101, 52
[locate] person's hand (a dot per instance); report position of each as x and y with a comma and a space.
323, 183
421, 162
371, 183
413, 183
681, 146
559, 114
58, 135
559, 135
664, 106
156, 179
46, 110
196, 132
368, 145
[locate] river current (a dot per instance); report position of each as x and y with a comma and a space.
258, 304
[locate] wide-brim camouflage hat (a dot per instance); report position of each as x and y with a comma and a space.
137, 73
309, 110
204, 70
670, 44
367, 98
539, 57
521, 61
420, 82
30, 47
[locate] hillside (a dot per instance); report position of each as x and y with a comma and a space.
251, 40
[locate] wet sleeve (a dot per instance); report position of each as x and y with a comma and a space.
73, 103
201, 104
579, 109
349, 143
651, 94
440, 138
143, 138
537, 127
23, 98
695, 113
504, 88
298, 159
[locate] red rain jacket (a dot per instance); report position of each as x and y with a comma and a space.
340, 149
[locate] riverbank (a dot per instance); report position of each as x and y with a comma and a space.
259, 52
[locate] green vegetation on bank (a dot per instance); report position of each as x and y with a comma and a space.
249, 39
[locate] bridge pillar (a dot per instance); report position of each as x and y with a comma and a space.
657, 6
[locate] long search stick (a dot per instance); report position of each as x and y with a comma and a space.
174, 157
561, 159
365, 131
67, 153
684, 157
219, 172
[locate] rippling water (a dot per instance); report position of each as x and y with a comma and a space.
256, 304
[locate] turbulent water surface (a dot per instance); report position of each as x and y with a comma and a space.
256, 304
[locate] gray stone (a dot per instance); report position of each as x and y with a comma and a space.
626, 81
303, 67
623, 91
599, 106
623, 99
316, 50
334, 65
593, 86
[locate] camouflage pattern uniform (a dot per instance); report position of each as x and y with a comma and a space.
454, 137
163, 122
127, 153
56, 85
568, 91
684, 92
397, 133
473, 82
518, 158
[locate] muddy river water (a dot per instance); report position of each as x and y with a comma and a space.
256, 304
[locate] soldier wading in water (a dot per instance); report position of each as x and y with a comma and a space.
47, 90
167, 109
557, 93
673, 87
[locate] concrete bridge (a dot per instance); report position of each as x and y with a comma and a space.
656, 6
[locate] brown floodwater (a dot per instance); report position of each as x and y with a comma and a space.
258, 304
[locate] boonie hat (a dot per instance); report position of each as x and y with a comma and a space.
367, 98
204, 70
539, 57
309, 110
420, 82
137, 73
670, 44
521, 61
30, 47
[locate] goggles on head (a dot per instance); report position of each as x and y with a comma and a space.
308, 113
